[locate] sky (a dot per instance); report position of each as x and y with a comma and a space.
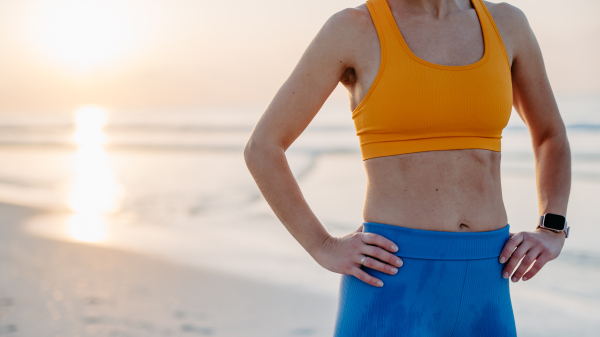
179, 54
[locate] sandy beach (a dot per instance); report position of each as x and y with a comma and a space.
54, 288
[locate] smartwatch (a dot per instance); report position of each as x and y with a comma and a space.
555, 223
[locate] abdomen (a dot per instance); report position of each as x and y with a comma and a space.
455, 190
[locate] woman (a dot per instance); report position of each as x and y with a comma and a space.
431, 85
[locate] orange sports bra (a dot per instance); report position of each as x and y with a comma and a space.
416, 106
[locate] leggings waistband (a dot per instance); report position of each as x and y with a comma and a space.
433, 245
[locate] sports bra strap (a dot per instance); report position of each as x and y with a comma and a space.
379, 14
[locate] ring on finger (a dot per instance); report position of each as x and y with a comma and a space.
363, 261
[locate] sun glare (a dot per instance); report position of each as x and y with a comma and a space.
90, 121
86, 33
94, 192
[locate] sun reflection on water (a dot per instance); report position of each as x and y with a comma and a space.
94, 192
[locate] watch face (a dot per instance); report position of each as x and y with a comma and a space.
554, 221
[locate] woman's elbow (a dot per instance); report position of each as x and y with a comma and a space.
255, 151
263, 149
250, 153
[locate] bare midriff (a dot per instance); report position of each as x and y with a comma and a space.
451, 191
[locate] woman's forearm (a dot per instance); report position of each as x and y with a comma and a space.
269, 167
553, 174
345, 255
537, 247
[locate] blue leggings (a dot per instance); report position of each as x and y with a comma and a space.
450, 284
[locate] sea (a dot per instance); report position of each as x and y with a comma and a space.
172, 184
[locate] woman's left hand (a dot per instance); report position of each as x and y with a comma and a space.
537, 248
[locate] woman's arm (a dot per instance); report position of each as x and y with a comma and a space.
535, 103
294, 106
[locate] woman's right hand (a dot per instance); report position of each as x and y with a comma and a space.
344, 255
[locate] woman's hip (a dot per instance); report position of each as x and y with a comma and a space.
450, 284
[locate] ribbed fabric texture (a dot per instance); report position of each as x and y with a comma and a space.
452, 296
422, 244
415, 106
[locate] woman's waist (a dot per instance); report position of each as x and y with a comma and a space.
440, 245
463, 210
451, 217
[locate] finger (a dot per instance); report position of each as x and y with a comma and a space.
361, 275
510, 245
537, 266
516, 256
378, 240
382, 267
511, 234
360, 229
382, 255
527, 261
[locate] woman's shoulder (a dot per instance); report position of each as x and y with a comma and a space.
512, 25
505, 13
354, 19
349, 32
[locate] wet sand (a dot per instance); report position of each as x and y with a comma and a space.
54, 288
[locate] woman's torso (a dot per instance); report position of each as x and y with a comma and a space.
451, 190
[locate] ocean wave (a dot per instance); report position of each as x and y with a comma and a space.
586, 127
203, 126
178, 147
199, 146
